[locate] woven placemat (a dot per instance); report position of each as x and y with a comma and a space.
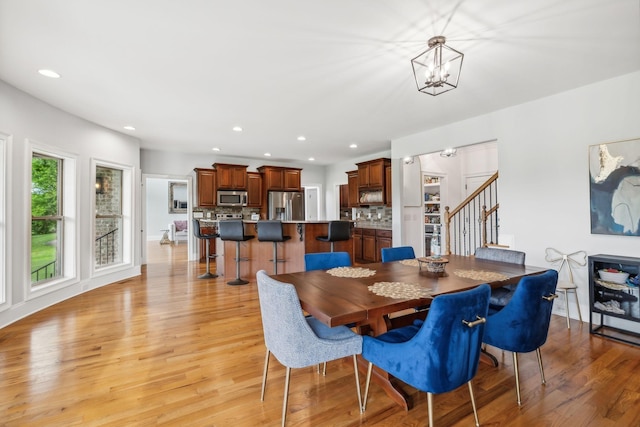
485, 276
410, 262
399, 290
351, 272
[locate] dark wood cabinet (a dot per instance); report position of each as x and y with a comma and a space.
368, 242
292, 180
372, 178
352, 180
387, 185
206, 187
278, 178
383, 240
371, 174
231, 177
369, 245
357, 244
344, 196
254, 189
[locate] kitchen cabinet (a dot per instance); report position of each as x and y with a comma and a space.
368, 242
383, 240
352, 183
254, 190
231, 177
369, 245
387, 185
371, 182
614, 304
357, 244
206, 187
344, 196
277, 178
371, 174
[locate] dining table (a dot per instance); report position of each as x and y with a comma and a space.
381, 296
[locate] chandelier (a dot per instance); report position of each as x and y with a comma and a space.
437, 69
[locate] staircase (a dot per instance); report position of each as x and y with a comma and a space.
474, 222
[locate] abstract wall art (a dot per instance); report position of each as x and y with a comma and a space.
614, 184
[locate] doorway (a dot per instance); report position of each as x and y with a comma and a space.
311, 203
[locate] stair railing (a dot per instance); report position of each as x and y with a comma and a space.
471, 224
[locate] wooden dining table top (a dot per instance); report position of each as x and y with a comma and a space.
344, 300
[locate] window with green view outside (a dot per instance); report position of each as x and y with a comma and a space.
46, 218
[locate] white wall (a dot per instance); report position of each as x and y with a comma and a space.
28, 119
543, 158
158, 217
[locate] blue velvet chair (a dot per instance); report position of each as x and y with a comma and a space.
500, 296
326, 260
438, 355
298, 341
522, 325
396, 254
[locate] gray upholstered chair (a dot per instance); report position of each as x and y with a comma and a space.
500, 297
298, 341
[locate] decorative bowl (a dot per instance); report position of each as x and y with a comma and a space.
433, 264
619, 277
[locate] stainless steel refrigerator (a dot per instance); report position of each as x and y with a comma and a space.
286, 205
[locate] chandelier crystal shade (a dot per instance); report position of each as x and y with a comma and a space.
437, 69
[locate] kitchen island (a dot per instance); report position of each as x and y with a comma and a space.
260, 254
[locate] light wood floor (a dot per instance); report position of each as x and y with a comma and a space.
169, 349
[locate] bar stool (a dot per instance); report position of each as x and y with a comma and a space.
234, 231
337, 231
208, 237
271, 231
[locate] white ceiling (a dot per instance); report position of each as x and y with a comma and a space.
337, 71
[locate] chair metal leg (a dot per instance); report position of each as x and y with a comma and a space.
540, 365
355, 369
566, 307
366, 388
473, 403
208, 274
264, 374
286, 395
430, 408
575, 292
515, 368
275, 257
238, 280
324, 369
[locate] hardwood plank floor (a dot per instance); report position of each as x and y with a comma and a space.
169, 349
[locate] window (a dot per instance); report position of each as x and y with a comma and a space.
108, 221
113, 219
47, 221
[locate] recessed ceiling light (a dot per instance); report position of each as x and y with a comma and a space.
302, 138
129, 128
49, 73
237, 129
311, 159
216, 149
267, 154
353, 146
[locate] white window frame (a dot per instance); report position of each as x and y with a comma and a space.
5, 261
128, 194
70, 266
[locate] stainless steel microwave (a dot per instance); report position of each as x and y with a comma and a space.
232, 198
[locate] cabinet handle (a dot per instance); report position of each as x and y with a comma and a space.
475, 322
550, 297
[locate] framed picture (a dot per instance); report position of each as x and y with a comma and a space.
177, 197
614, 187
